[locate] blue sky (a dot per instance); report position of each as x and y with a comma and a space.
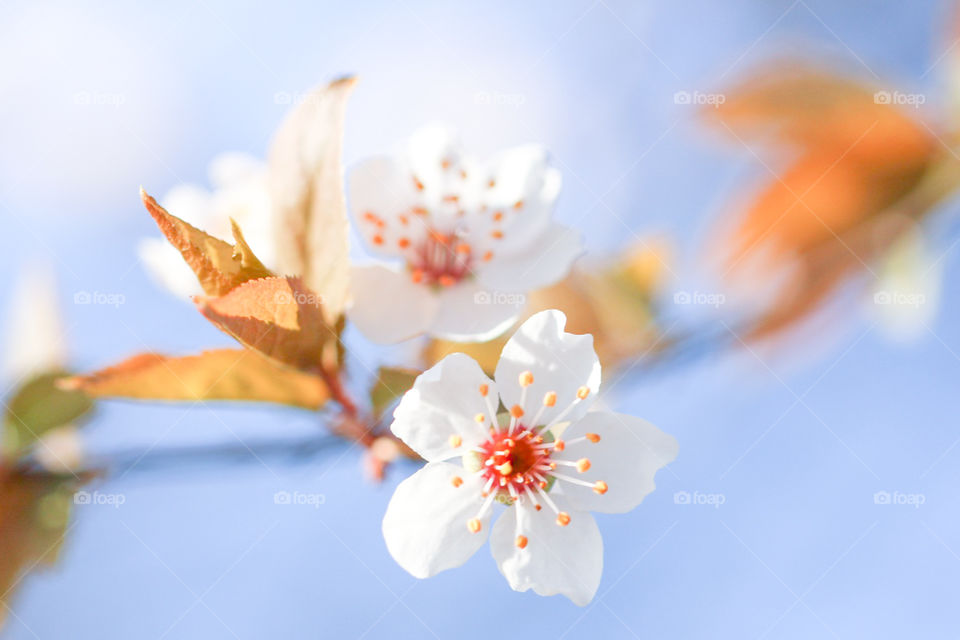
796, 443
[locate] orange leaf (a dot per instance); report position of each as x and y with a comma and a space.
222, 374
219, 265
306, 185
279, 317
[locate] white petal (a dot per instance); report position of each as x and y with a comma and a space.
388, 306
560, 362
548, 260
627, 457
566, 560
444, 402
382, 194
525, 191
429, 149
166, 267
425, 526
34, 340
471, 312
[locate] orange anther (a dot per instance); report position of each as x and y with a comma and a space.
559, 445
377, 239
497, 234
417, 275
370, 216
538, 507
498, 216
456, 481
583, 464
404, 220
463, 174
516, 411
480, 418
446, 280
455, 441
492, 183
403, 243
420, 211
463, 248
563, 518
518, 204
521, 542
549, 398
451, 198
445, 163
474, 525
583, 392
526, 379
484, 390
417, 183
600, 487
593, 437
488, 256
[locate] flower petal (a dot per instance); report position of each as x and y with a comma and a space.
433, 150
560, 362
629, 453
471, 312
566, 560
382, 199
388, 306
519, 205
556, 250
425, 526
445, 401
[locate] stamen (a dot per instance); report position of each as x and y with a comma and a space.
559, 445
518, 205
484, 390
417, 183
488, 256
456, 481
377, 239
593, 437
516, 411
455, 441
496, 234
480, 418
521, 542
600, 487
563, 518
583, 464
474, 525
403, 243
583, 392
526, 378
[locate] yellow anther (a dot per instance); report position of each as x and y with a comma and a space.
600, 487
505, 469
481, 418
583, 464
474, 525
549, 398
563, 518
526, 379
455, 441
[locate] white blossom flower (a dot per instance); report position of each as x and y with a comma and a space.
468, 239
547, 459
240, 192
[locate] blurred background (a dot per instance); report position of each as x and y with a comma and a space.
815, 494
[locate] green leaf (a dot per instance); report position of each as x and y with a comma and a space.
392, 382
37, 407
